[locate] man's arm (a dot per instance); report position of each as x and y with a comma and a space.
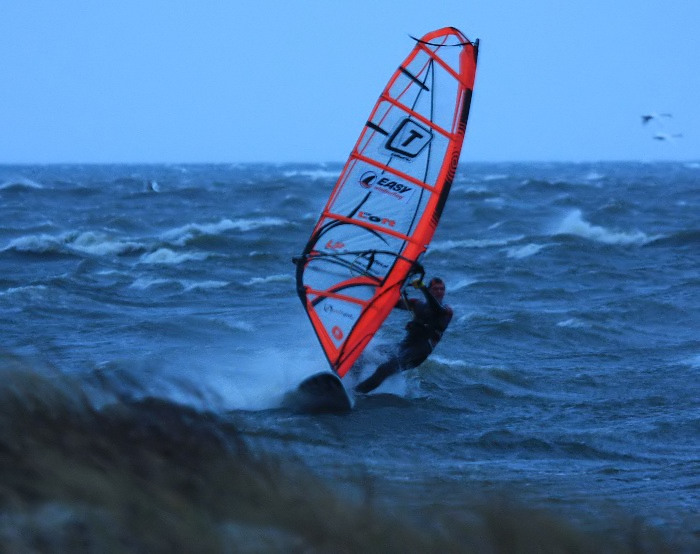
405, 303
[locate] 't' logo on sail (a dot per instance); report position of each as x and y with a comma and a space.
409, 138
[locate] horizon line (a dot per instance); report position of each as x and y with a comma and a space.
341, 163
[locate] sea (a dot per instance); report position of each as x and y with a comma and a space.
567, 380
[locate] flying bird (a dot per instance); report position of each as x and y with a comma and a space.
661, 132
667, 136
646, 118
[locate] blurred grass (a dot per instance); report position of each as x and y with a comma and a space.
153, 476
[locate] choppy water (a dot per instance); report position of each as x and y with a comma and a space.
569, 374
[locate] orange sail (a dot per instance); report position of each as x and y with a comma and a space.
386, 204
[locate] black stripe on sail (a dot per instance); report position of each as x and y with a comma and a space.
376, 128
413, 78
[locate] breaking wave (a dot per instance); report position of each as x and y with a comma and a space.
183, 235
89, 242
574, 224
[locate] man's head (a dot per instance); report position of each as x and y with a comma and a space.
437, 288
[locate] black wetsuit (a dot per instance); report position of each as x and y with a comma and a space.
424, 331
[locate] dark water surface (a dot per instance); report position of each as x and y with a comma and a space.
569, 375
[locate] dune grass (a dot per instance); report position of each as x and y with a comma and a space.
153, 476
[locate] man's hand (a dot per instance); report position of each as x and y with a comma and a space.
418, 284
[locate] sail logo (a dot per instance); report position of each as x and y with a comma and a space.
376, 219
408, 139
370, 180
329, 308
335, 245
368, 177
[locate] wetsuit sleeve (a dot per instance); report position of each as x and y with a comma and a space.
406, 303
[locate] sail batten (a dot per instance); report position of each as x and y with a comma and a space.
383, 210
368, 225
439, 60
418, 116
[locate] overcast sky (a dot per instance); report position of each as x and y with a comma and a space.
283, 80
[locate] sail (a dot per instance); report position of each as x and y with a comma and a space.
385, 206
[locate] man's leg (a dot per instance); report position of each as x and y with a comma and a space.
409, 356
388, 368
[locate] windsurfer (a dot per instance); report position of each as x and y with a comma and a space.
423, 332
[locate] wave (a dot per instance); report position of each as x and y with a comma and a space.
167, 256
204, 285
573, 323
187, 233
462, 283
313, 173
574, 224
682, 238
495, 177
544, 185
20, 184
526, 251
594, 176
504, 439
88, 242
145, 283
473, 193
27, 290
100, 244
448, 361
447, 245
282, 278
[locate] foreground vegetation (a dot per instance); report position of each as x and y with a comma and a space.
153, 476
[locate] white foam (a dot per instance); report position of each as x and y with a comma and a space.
257, 380
89, 242
37, 244
447, 245
574, 224
167, 256
204, 285
238, 325
573, 323
313, 173
448, 361
594, 176
474, 191
182, 235
526, 251
144, 283
497, 201
21, 183
100, 244
19, 290
462, 283
281, 278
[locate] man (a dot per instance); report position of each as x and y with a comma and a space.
424, 331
